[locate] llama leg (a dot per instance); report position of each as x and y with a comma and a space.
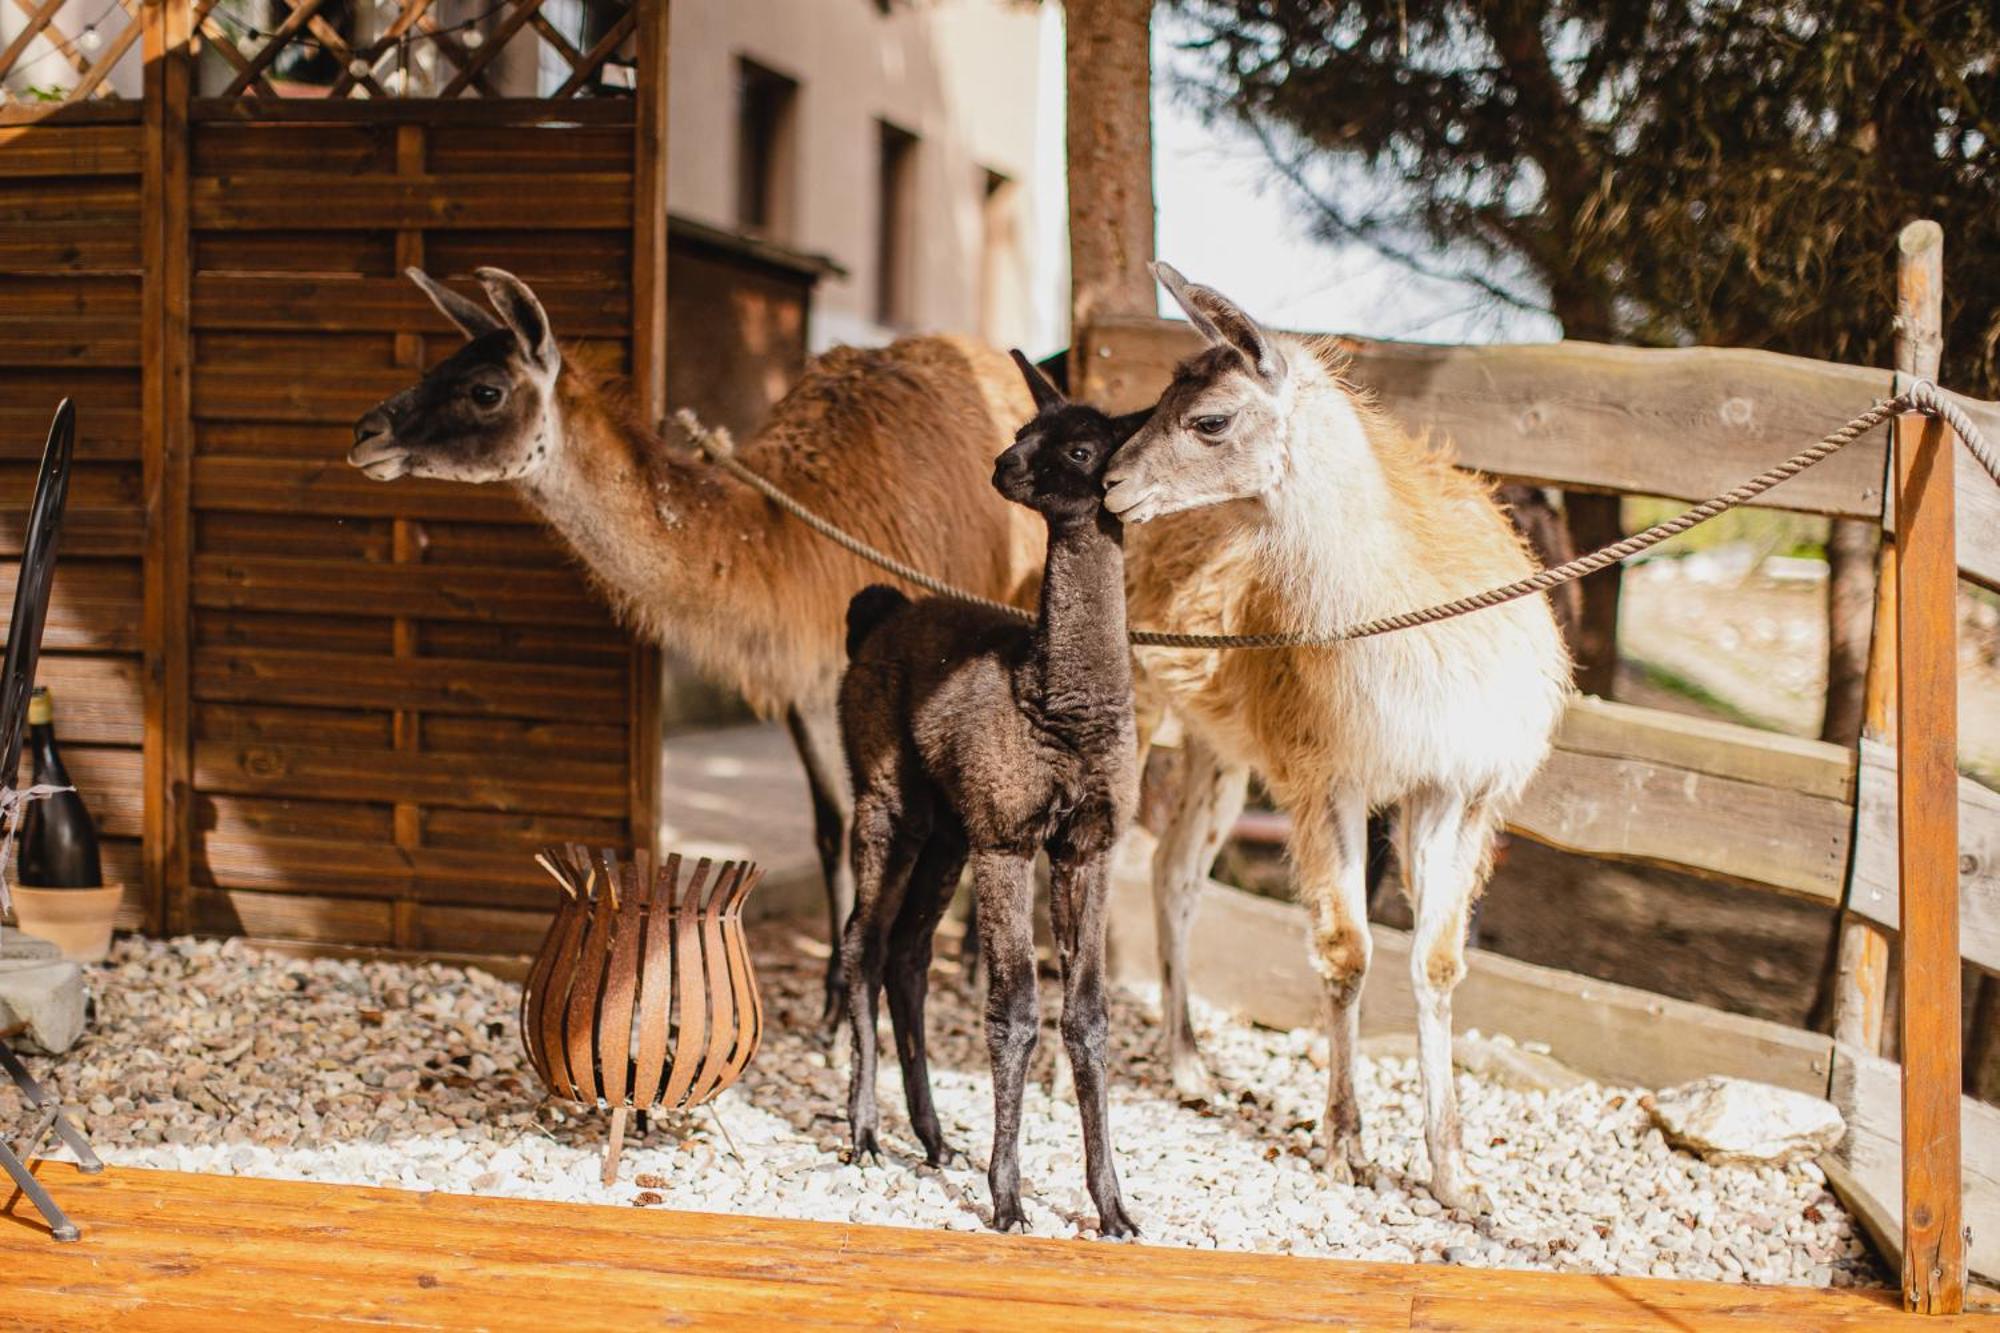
885, 848
1330, 850
1210, 800
1005, 884
924, 903
816, 734
1077, 896
1443, 846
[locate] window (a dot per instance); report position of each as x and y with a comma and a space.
1000, 276
894, 225
766, 104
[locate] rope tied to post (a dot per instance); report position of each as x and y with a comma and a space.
1920, 397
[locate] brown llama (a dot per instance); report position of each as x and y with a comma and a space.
1297, 506
701, 563
973, 737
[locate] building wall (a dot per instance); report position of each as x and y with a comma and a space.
967, 77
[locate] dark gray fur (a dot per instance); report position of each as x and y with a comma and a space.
971, 737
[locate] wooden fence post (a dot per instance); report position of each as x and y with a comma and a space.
649, 372
1927, 806
406, 548
165, 448
1861, 982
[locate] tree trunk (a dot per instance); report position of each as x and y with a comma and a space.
1850, 615
1108, 50
1594, 521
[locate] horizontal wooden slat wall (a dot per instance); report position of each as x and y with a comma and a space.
397, 691
70, 325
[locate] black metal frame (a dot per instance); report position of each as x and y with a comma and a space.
17, 681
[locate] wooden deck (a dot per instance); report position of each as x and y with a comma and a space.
164, 1250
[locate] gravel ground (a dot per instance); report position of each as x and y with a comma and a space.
215, 1057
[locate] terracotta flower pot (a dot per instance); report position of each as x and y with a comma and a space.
77, 921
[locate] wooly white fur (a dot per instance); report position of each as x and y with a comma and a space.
1268, 495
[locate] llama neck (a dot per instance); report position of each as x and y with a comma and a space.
673, 546
1081, 649
1333, 530
603, 489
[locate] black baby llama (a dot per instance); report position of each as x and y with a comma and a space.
973, 737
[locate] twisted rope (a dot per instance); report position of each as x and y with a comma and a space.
1921, 397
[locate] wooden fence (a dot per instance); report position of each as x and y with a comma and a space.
308, 706
1767, 812
1797, 817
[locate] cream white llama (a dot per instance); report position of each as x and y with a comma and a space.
1295, 505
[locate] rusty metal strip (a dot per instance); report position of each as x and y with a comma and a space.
656, 975
691, 1007
621, 980
721, 1004
749, 1024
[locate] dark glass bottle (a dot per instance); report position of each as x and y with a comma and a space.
58, 839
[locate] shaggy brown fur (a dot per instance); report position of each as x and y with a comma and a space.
702, 564
971, 736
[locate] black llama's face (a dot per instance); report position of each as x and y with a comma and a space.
487, 412
1057, 461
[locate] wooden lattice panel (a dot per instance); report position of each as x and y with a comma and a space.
65, 51
412, 49
399, 691
70, 326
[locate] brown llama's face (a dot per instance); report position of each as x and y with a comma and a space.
487, 412
1220, 430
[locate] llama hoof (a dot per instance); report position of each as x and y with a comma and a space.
1464, 1197
944, 1157
1193, 1083
867, 1150
1009, 1218
1114, 1224
833, 1015
1346, 1164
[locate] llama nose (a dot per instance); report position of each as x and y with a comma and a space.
377, 422
1009, 467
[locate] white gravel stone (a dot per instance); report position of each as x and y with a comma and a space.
215, 1057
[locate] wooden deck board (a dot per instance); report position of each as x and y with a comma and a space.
166, 1250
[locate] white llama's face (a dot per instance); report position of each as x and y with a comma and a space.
485, 414
1220, 430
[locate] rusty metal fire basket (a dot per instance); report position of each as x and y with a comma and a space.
642, 997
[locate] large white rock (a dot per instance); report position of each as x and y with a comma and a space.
38, 988
1733, 1120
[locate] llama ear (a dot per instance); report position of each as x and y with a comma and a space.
461, 311
1225, 324
523, 313
1046, 394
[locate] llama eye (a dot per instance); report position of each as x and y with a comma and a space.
486, 395
1214, 425
1079, 455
